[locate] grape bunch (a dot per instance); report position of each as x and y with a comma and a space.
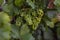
32, 18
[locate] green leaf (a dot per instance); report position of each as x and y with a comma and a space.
15, 32
31, 3
24, 33
19, 3
5, 32
5, 36
57, 4
6, 8
27, 36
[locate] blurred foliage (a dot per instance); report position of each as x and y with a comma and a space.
20, 18
1, 1
57, 4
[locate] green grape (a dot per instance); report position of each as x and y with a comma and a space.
40, 12
4, 18
19, 2
38, 19
19, 21
34, 14
34, 25
28, 19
